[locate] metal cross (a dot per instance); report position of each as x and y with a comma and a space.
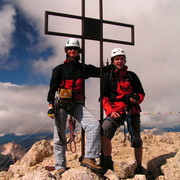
92, 29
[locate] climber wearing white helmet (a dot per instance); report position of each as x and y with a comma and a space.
121, 95
67, 79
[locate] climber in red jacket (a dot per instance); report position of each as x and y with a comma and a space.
121, 95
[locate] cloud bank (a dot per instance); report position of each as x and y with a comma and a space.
23, 109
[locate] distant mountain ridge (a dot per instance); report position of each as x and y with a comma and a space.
154, 131
10, 153
28, 140
25, 141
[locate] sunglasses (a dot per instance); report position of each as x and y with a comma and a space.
73, 48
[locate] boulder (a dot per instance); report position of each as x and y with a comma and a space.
171, 169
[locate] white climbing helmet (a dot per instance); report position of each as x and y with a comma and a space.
72, 42
117, 52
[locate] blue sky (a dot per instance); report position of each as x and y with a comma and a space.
25, 40
27, 57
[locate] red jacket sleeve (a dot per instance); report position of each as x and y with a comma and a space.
141, 98
107, 105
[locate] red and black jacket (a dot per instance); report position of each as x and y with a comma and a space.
70, 76
117, 86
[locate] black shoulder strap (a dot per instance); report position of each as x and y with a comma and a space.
129, 74
110, 77
130, 77
61, 73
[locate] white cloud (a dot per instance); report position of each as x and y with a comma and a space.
7, 27
23, 109
164, 120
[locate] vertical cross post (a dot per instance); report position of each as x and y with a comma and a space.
101, 55
83, 62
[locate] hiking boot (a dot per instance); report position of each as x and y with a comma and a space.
101, 161
61, 171
139, 170
107, 163
90, 163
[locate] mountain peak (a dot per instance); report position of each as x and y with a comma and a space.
160, 158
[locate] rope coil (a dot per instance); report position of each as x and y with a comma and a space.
71, 141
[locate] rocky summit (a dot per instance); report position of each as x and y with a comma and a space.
161, 160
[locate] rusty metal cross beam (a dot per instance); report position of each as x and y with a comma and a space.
92, 29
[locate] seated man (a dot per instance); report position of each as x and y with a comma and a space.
122, 93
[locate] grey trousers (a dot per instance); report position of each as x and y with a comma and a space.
91, 127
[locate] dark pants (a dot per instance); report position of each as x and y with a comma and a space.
110, 126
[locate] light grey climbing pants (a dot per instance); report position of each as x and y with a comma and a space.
91, 127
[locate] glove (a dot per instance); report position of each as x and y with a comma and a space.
134, 98
51, 112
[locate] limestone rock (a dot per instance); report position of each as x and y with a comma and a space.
160, 178
139, 177
39, 151
38, 175
171, 169
79, 174
125, 169
112, 175
6, 175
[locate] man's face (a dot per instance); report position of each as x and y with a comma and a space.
119, 62
72, 51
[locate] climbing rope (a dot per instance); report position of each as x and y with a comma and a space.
71, 141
